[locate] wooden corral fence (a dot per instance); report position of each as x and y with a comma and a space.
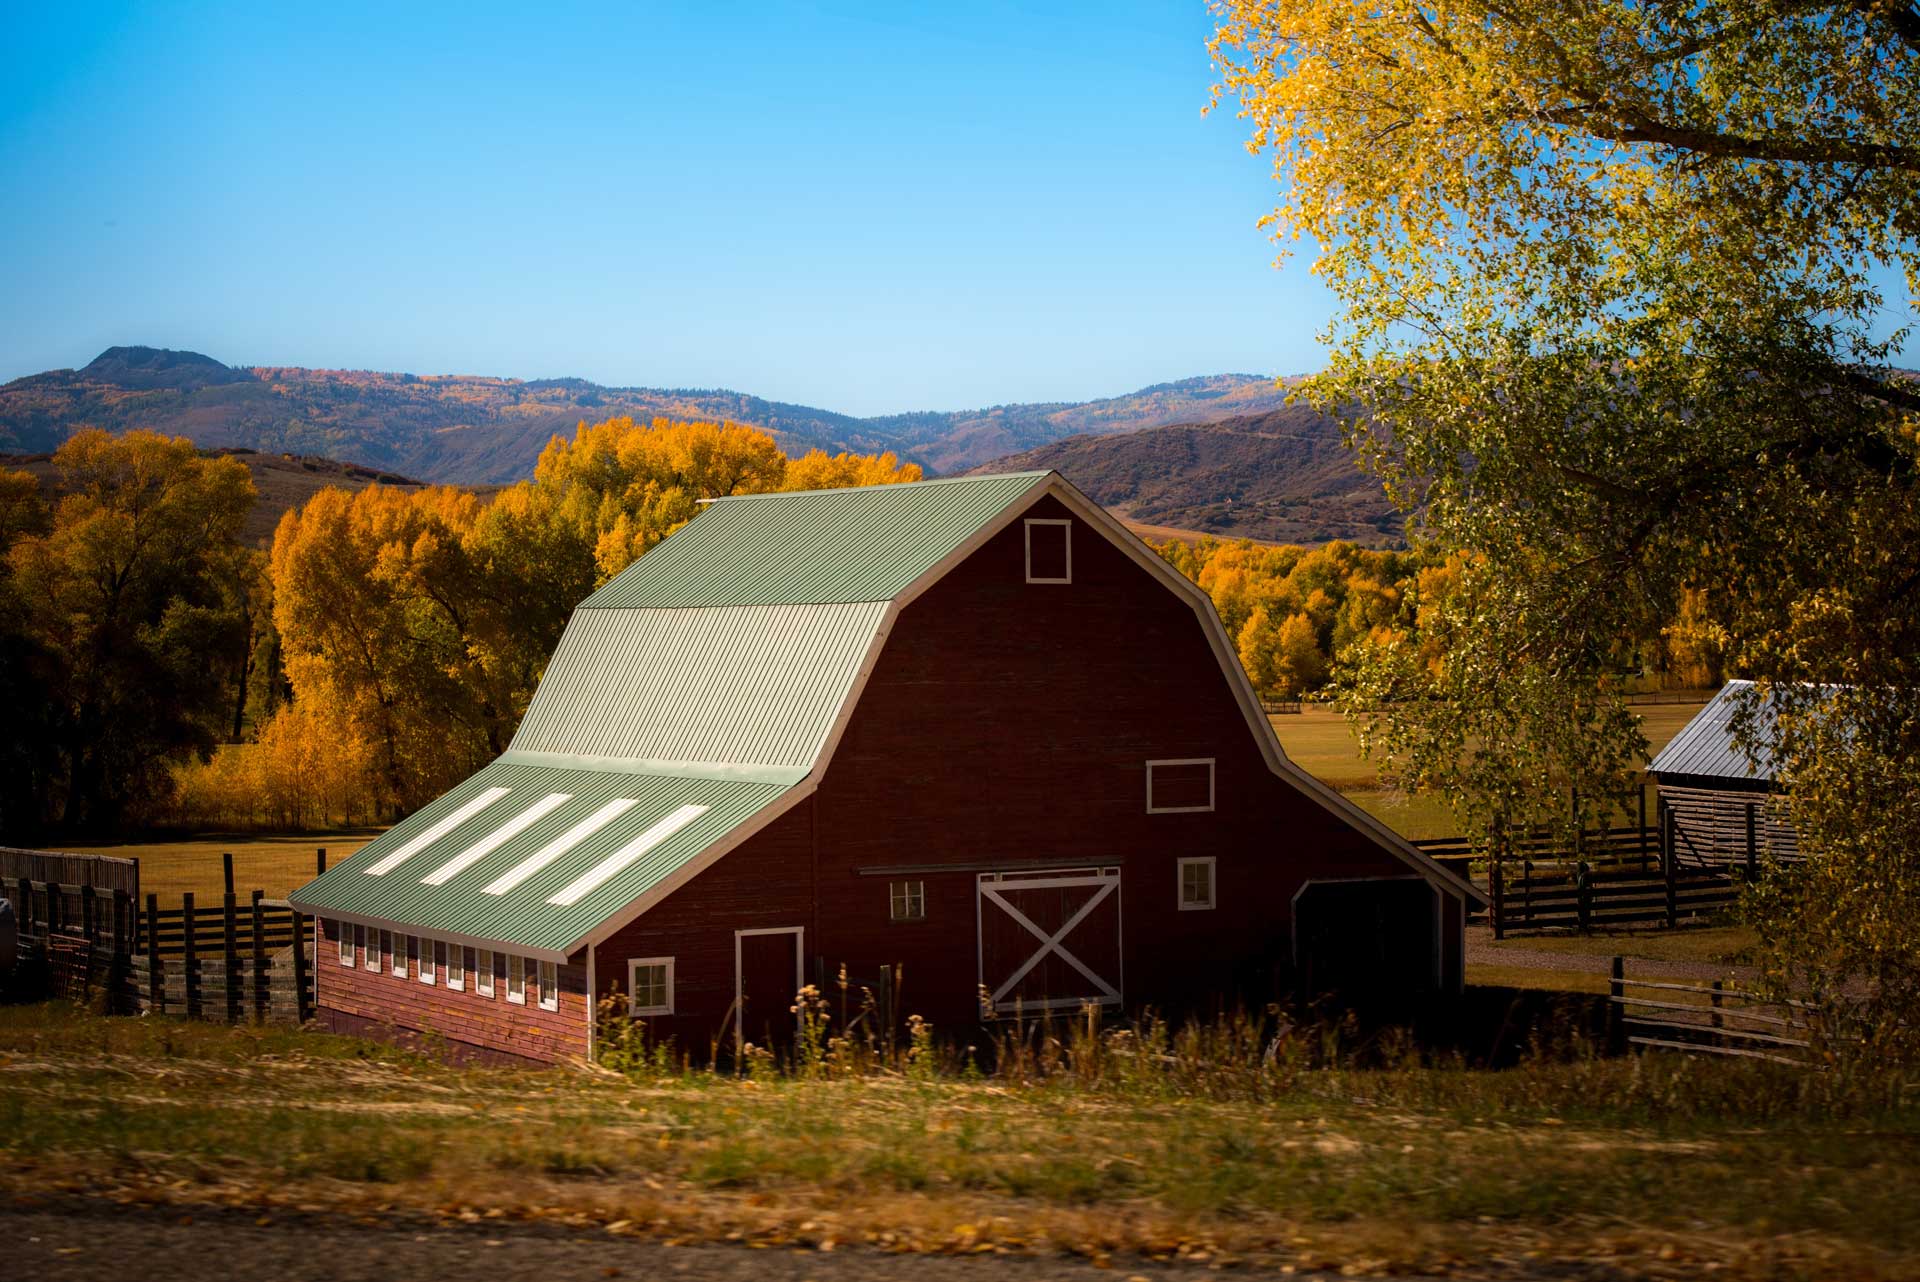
1706, 1019
235, 960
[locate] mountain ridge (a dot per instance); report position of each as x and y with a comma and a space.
1281, 476
481, 429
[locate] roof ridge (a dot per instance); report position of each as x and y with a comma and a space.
884, 486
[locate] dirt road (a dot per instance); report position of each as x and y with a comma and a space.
82, 1241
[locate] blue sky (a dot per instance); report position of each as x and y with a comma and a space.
867, 207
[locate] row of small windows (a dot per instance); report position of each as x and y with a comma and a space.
432, 960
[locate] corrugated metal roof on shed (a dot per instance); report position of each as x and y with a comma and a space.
525, 916
1705, 747
740, 686
813, 546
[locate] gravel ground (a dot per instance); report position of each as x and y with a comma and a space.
83, 1241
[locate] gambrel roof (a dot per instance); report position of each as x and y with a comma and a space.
695, 698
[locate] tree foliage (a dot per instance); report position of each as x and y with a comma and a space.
1610, 324
118, 633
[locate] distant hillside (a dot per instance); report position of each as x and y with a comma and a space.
472, 429
283, 481
1282, 476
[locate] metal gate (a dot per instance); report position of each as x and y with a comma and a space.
1049, 940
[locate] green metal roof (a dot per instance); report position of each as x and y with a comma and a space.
526, 914
750, 691
813, 546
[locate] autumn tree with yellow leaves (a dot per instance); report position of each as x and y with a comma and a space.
1620, 288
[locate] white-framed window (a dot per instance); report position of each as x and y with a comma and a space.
1196, 883
1049, 550
516, 979
650, 985
400, 955
549, 986
1179, 785
427, 948
346, 943
483, 973
457, 967
907, 901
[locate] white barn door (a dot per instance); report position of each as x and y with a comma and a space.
1049, 940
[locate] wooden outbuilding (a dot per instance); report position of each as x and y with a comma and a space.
970, 732
1718, 803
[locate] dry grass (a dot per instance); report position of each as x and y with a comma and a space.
1320, 741
273, 864
1707, 945
1657, 1170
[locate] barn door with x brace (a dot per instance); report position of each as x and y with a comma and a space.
1049, 940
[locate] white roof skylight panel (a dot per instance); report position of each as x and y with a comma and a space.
446, 825
613, 864
560, 845
494, 840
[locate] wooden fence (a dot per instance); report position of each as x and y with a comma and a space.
232, 960
1706, 1019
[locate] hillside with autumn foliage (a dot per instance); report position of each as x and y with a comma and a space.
477, 430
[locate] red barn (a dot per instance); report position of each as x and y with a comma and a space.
973, 728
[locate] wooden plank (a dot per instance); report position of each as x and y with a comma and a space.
1708, 1009
1701, 1049
1744, 1034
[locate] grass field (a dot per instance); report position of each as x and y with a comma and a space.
273, 864
1590, 1169
1319, 739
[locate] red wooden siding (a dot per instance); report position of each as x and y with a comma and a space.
370, 999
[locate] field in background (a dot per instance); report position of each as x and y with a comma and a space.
273, 864
1318, 739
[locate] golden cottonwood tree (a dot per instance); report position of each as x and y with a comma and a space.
115, 620
419, 624
1612, 322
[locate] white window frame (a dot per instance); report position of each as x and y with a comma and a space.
911, 894
399, 953
547, 975
633, 986
345, 942
457, 967
516, 979
1066, 538
483, 972
426, 965
1213, 883
1212, 776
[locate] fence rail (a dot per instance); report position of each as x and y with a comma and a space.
1718, 1020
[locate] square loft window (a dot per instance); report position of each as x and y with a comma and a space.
1049, 551
1179, 786
907, 900
1196, 883
650, 981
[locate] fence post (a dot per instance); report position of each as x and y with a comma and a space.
1526, 890
319, 861
1496, 887
26, 906
226, 866
232, 942
190, 960
1583, 892
300, 1009
1714, 998
1753, 854
1616, 1006
259, 957
86, 912
1643, 826
156, 969
1666, 862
